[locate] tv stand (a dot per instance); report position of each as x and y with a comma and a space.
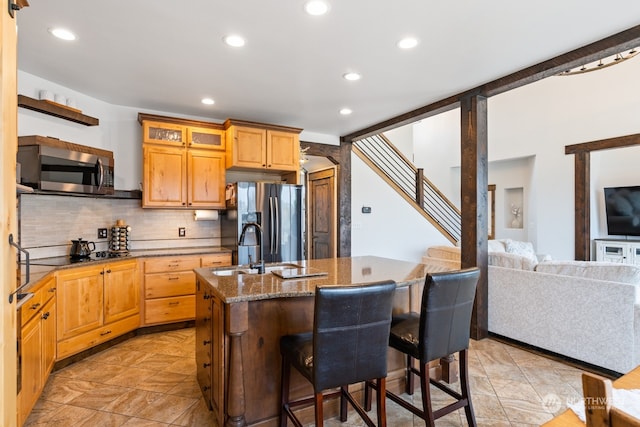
622, 251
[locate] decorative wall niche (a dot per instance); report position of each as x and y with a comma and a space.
514, 207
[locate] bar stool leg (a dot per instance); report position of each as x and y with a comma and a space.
426, 395
381, 402
464, 387
284, 391
409, 385
318, 407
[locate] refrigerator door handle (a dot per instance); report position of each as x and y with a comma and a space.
271, 225
276, 246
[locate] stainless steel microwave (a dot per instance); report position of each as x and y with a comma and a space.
50, 164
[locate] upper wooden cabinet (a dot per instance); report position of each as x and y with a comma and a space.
254, 146
183, 163
155, 132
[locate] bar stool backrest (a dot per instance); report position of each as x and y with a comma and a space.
445, 315
351, 333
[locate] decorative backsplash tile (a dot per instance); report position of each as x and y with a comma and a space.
49, 223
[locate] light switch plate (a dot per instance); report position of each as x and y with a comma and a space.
182, 232
102, 233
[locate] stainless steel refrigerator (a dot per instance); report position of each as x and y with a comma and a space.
278, 210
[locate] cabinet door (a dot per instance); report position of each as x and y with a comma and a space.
206, 179
80, 301
201, 137
164, 133
48, 338
249, 147
121, 291
283, 151
31, 368
164, 173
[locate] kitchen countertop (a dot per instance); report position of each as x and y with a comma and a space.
237, 287
40, 267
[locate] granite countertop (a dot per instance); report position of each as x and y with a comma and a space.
40, 267
237, 287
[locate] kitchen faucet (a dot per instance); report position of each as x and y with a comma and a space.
260, 264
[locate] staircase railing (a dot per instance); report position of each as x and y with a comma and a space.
384, 158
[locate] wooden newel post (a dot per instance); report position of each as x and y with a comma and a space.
237, 323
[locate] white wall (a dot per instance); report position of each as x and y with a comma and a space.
393, 229
536, 122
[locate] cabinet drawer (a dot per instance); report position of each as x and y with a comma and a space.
216, 260
97, 336
31, 307
42, 293
159, 285
168, 264
164, 310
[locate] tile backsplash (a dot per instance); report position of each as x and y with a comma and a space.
48, 223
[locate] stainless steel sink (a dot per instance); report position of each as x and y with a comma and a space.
244, 269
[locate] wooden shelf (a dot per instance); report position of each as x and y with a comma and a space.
56, 111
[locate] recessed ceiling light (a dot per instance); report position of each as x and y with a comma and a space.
316, 7
234, 40
407, 43
346, 111
62, 33
352, 76
208, 101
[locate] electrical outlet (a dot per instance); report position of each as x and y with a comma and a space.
102, 233
182, 232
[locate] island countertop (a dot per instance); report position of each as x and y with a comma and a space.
236, 287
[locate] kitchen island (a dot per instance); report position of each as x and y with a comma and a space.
241, 317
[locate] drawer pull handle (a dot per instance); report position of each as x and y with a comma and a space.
109, 271
173, 278
46, 315
105, 333
206, 342
52, 290
173, 265
174, 303
206, 365
35, 306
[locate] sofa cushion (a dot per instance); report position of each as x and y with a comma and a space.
508, 260
598, 270
521, 248
495, 246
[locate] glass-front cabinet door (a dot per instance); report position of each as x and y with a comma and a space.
164, 133
208, 138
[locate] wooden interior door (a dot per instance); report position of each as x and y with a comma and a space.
322, 214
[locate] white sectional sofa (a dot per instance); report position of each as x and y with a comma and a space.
585, 310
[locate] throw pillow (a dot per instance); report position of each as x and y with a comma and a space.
524, 249
495, 246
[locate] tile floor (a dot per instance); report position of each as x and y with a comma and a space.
149, 380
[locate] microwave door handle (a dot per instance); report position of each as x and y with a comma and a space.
100, 177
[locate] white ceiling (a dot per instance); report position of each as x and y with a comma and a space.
166, 55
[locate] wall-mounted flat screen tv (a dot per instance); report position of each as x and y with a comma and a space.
623, 210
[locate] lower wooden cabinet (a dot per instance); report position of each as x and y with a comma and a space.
169, 286
95, 304
38, 345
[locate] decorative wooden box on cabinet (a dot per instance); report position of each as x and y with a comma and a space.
258, 146
38, 344
95, 304
184, 163
169, 286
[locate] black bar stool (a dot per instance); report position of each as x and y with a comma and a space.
348, 345
442, 328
